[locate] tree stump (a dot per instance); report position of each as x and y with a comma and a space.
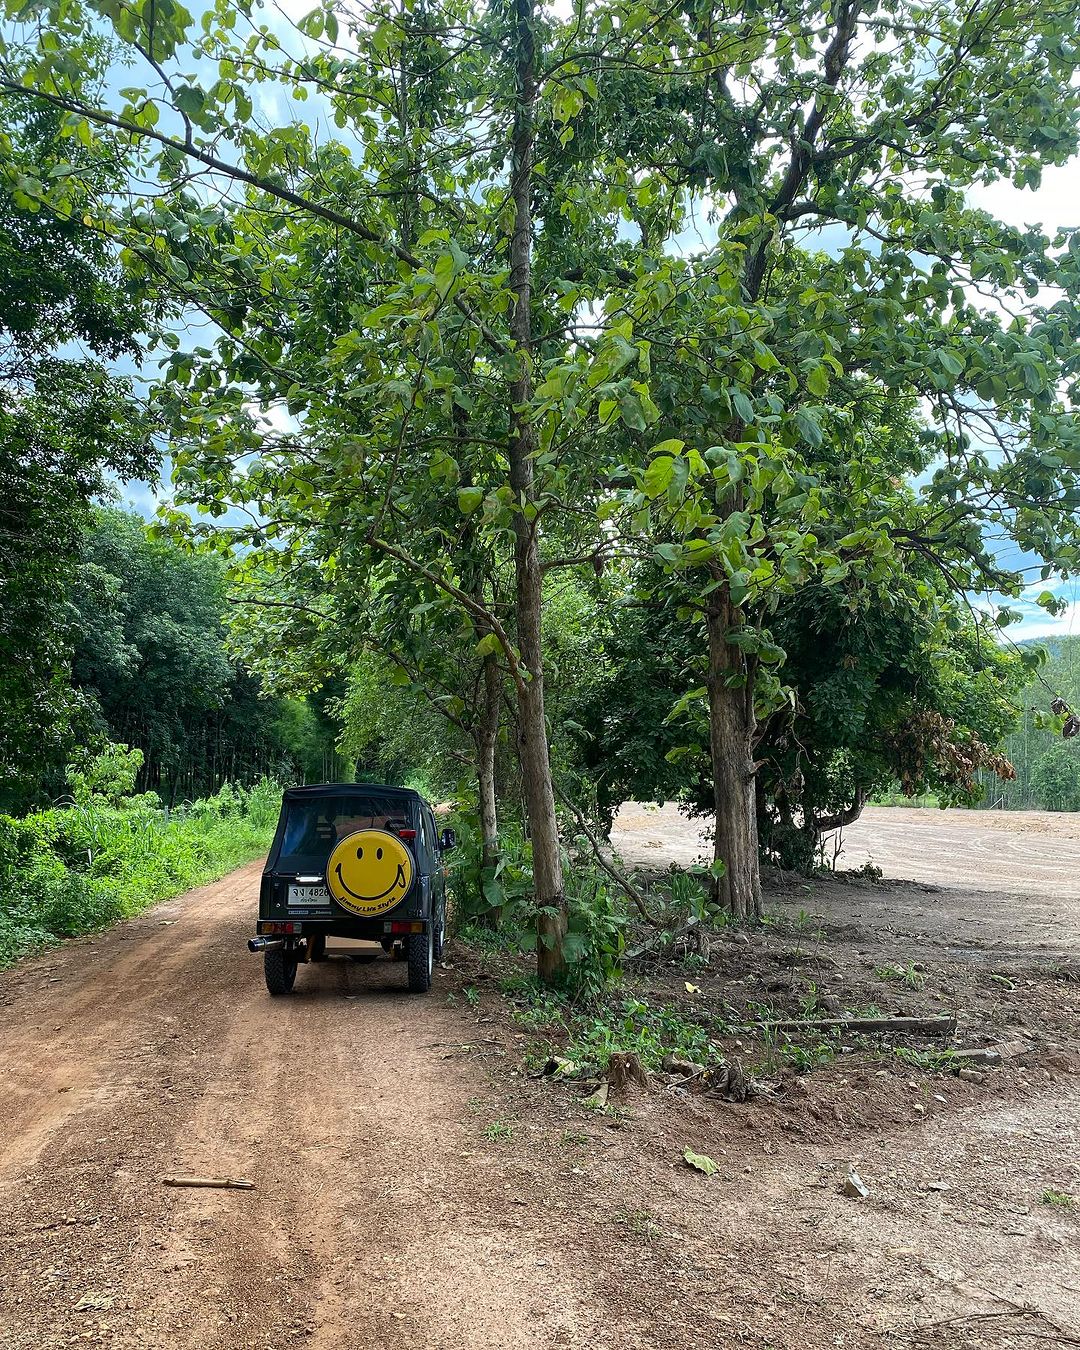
625, 1070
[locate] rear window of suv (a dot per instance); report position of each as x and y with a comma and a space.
315, 825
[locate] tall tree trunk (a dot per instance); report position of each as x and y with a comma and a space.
535, 756
487, 735
731, 745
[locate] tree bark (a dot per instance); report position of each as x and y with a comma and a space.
487, 735
731, 742
535, 756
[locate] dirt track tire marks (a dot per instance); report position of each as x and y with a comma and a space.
155, 1048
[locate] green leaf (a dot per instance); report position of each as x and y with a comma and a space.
808, 427
951, 363
743, 406
658, 476
469, 499
632, 415
701, 1162
818, 381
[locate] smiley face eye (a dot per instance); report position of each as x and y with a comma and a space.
378, 853
359, 852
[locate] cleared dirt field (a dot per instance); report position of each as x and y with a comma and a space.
415, 1187
1011, 877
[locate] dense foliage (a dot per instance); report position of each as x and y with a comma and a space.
1047, 766
151, 667
66, 425
469, 412
110, 853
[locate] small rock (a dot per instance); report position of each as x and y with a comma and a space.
938, 1186
598, 1100
971, 1076
985, 1056
854, 1186
919, 1109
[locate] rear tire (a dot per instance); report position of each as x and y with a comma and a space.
421, 952
279, 971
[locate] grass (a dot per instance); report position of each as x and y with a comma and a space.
77, 869
932, 1061
912, 976
1058, 1199
496, 1130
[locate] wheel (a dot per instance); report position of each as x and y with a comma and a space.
279, 970
421, 960
439, 936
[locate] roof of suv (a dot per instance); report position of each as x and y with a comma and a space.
351, 790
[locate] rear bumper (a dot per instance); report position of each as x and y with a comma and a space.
370, 930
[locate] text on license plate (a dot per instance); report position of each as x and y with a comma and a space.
308, 895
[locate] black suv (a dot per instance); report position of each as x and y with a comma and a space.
353, 860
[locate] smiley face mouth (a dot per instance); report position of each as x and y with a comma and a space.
399, 880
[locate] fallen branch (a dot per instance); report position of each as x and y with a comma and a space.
918, 1026
215, 1183
658, 938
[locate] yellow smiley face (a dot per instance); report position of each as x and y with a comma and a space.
369, 872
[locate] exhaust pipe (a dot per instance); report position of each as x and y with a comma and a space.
265, 944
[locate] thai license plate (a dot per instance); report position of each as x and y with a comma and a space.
309, 895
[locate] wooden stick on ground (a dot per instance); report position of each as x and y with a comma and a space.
918, 1026
216, 1183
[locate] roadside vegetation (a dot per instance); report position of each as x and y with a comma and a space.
107, 852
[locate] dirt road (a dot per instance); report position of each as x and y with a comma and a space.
415, 1189
380, 1217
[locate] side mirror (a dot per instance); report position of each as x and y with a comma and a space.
447, 841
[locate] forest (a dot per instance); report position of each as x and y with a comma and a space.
549, 409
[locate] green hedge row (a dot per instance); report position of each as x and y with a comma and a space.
73, 869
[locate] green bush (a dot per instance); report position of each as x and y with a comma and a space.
80, 867
499, 900
1055, 778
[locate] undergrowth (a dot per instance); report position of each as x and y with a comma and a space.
107, 855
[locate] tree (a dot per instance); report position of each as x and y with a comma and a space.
1055, 778
894, 693
500, 230
66, 426
151, 669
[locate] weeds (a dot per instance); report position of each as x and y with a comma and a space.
497, 1130
641, 1029
640, 1222
80, 867
932, 1061
912, 975
780, 1053
1058, 1199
